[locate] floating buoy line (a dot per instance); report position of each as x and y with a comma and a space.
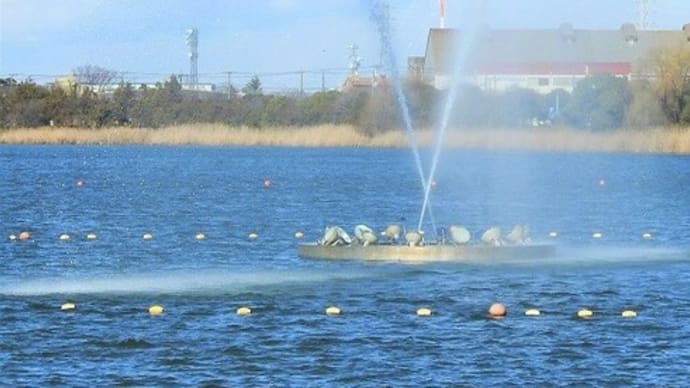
495, 311
254, 235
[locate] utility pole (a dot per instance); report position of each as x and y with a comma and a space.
301, 83
229, 73
323, 81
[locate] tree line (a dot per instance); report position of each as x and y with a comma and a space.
598, 102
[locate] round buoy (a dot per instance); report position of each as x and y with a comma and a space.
597, 235
200, 236
80, 183
424, 312
267, 183
253, 236
91, 236
629, 314
647, 236
553, 234
244, 310
69, 306
585, 313
602, 182
147, 236
497, 310
156, 309
299, 234
12, 237
532, 312
23, 236
64, 237
333, 310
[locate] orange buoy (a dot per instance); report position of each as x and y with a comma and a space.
497, 310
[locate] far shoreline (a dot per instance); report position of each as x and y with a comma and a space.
650, 141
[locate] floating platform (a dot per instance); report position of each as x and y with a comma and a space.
425, 253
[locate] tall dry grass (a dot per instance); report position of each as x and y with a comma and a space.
656, 140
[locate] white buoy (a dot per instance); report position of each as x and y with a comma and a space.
585, 313
424, 312
553, 234
200, 236
532, 312
629, 314
156, 309
333, 310
147, 236
64, 237
91, 236
299, 234
597, 235
68, 306
647, 236
244, 310
12, 237
253, 236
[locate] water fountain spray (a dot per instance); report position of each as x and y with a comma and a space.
379, 15
458, 66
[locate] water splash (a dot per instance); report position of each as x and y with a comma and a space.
379, 15
206, 281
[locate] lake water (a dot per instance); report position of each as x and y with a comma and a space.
174, 193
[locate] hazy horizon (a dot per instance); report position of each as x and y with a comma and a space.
146, 40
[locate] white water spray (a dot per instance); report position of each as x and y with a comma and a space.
206, 281
380, 18
458, 65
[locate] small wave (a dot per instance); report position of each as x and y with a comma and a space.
134, 343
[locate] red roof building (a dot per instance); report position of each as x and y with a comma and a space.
543, 60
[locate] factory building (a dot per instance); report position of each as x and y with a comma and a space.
542, 60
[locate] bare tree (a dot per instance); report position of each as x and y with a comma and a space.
93, 76
672, 81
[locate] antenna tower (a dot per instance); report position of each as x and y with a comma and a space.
192, 40
355, 60
644, 12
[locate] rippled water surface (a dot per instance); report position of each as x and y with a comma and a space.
175, 193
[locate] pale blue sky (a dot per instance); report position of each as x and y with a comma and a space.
43, 38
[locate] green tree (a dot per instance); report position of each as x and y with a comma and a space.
253, 87
6, 86
26, 104
122, 103
319, 108
279, 110
517, 107
598, 102
424, 101
645, 108
380, 113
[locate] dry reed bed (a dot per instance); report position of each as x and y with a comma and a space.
657, 140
